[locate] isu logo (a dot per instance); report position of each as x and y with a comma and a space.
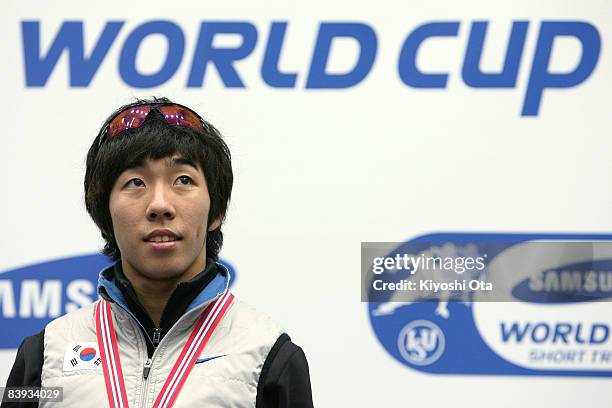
421, 342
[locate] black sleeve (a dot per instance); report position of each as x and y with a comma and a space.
27, 368
284, 381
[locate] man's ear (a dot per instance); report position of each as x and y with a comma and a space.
215, 224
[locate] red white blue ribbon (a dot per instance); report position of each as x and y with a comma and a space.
111, 364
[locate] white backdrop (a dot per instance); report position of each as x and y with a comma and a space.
318, 171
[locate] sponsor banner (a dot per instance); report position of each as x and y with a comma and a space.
550, 318
33, 295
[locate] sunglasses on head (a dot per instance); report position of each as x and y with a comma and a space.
133, 117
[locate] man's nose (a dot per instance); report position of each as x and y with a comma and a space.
160, 205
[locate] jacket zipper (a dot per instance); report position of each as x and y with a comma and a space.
156, 336
147, 366
156, 341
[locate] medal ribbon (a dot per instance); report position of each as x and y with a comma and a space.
111, 364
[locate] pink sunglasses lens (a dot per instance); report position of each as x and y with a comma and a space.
180, 116
130, 118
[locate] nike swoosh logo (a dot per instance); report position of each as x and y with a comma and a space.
203, 360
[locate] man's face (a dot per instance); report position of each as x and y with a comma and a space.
159, 213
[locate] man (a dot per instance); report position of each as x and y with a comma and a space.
166, 331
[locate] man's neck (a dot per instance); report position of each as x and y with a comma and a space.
154, 294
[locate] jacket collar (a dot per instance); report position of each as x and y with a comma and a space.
108, 289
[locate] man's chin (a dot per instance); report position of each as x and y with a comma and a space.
163, 271
170, 268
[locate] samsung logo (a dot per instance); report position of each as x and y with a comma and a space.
39, 63
579, 282
42, 299
572, 280
33, 295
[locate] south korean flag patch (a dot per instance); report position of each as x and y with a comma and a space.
82, 356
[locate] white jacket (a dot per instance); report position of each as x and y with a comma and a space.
239, 346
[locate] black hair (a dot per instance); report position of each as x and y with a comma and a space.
156, 139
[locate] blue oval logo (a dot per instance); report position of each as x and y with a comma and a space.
446, 336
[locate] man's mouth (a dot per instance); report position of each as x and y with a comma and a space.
162, 238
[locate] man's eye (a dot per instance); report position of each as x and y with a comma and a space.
184, 180
135, 182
